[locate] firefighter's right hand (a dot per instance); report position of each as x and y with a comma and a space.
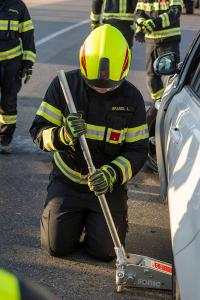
148, 26
74, 127
102, 180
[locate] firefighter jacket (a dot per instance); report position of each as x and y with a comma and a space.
117, 133
166, 17
16, 32
119, 10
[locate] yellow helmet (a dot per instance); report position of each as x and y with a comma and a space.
13, 288
105, 57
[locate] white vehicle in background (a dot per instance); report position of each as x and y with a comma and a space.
177, 136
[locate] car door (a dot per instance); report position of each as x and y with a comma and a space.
182, 161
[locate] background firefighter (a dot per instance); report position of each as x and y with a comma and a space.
118, 13
112, 116
17, 55
158, 25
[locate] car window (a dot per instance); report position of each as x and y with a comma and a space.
195, 82
191, 64
194, 79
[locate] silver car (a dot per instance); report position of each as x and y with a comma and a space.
177, 136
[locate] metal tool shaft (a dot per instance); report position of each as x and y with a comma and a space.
91, 168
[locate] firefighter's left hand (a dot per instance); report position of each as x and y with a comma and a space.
25, 73
102, 180
148, 26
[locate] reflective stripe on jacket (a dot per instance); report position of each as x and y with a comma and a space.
166, 16
112, 9
16, 32
117, 132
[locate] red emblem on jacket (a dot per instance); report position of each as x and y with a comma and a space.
114, 136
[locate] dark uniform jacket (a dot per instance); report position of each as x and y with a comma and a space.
113, 9
16, 32
116, 129
166, 16
119, 10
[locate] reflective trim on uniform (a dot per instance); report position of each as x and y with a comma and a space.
47, 139
137, 133
10, 289
94, 17
29, 55
95, 132
115, 136
139, 6
8, 119
10, 53
50, 113
155, 6
165, 20
176, 2
68, 172
125, 166
26, 26
12, 25
164, 33
13, 10
122, 6
120, 16
157, 95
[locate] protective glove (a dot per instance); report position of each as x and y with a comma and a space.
148, 26
140, 22
139, 34
74, 127
25, 72
102, 180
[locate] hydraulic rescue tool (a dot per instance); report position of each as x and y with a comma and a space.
131, 270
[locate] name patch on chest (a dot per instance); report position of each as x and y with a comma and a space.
120, 108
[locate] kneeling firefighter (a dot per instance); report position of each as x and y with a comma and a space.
111, 114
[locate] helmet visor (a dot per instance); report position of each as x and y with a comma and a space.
103, 83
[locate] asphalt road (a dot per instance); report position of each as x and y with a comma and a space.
24, 173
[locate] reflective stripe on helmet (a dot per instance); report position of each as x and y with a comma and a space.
126, 62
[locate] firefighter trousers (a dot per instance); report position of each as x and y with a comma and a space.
10, 85
68, 212
155, 82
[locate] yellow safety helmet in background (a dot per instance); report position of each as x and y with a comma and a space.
105, 57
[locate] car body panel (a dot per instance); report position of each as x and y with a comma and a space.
183, 152
178, 157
